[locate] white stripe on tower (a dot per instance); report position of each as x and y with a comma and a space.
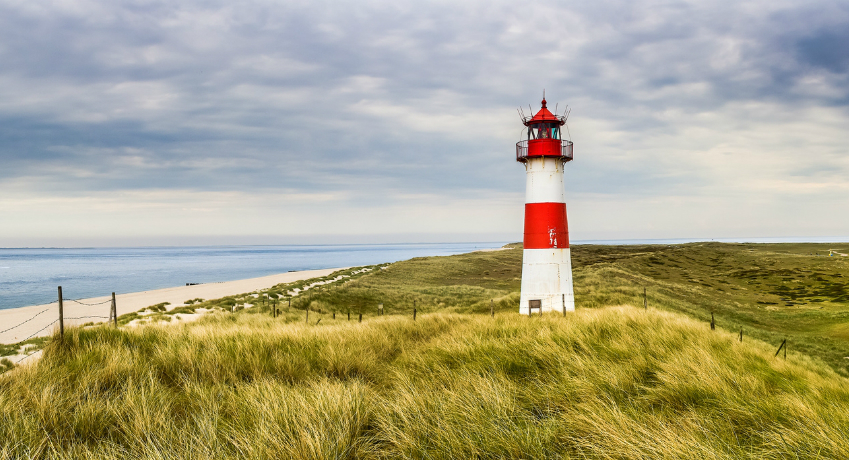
546, 264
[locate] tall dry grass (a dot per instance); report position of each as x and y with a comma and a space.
606, 383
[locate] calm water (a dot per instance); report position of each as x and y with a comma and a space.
30, 276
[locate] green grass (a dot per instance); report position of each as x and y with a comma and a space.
615, 382
610, 381
30, 344
772, 291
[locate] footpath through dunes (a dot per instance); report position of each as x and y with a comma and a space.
615, 382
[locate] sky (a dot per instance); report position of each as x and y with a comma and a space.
259, 122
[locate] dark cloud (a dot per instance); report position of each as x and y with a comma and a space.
827, 49
378, 99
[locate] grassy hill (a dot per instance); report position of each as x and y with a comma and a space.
610, 381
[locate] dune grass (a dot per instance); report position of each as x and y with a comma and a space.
772, 291
614, 382
606, 382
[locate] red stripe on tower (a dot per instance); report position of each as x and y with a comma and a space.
546, 226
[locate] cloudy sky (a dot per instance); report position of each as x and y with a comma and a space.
145, 122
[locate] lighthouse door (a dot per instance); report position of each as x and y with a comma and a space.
534, 304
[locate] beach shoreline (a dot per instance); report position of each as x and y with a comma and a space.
42, 320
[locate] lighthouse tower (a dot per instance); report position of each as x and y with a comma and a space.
546, 262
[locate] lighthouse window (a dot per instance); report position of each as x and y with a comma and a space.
545, 131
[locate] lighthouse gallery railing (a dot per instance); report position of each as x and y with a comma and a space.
565, 150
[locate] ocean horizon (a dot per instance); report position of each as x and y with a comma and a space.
29, 276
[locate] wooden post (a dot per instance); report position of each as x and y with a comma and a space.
564, 304
783, 345
61, 316
361, 317
414, 313
349, 314
741, 333
645, 299
308, 314
712, 322
290, 302
334, 315
114, 311
491, 308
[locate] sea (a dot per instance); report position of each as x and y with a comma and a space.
30, 276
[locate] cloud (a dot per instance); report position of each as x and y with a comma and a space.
380, 102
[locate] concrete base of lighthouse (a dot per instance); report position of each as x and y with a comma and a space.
547, 277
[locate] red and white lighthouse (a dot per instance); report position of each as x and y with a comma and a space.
546, 262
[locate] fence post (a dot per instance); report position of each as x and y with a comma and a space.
712, 322
349, 314
491, 308
783, 345
645, 299
564, 304
361, 317
414, 310
308, 313
61, 316
114, 311
741, 333
334, 315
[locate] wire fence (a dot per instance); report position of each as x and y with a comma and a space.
87, 304
23, 322
112, 318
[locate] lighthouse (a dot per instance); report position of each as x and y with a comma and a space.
546, 262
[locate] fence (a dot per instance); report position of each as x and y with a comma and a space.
112, 318
272, 303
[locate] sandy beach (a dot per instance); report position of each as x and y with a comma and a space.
42, 318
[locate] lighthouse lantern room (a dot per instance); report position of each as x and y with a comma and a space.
546, 261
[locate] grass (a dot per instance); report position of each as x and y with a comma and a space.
610, 381
29, 344
615, 382
772, 291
